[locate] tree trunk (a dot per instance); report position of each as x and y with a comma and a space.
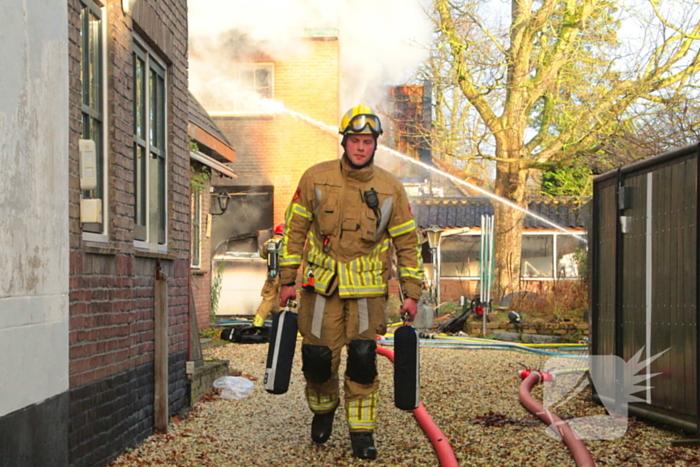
511, 181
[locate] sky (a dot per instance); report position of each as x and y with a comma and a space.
386, 39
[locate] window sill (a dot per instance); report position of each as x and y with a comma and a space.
94, 249
154, 255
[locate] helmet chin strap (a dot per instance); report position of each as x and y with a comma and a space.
350, 163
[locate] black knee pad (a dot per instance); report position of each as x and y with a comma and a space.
362, 361
316, 362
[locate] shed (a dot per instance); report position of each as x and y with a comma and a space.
644, 291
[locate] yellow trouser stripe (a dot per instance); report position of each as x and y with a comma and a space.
362, 413
321, 403
411, 272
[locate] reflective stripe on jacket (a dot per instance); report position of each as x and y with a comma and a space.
344, 242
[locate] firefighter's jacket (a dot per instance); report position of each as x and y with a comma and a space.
346, 243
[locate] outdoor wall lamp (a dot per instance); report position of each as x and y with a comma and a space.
222, 200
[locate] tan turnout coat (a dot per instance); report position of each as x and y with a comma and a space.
344, 242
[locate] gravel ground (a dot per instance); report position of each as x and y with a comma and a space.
472, 396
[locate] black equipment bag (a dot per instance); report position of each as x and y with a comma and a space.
246, 334
455, 325
280, 353
406, 368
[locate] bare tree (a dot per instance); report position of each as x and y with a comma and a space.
555, 82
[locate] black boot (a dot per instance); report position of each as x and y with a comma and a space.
322, 427
363, 445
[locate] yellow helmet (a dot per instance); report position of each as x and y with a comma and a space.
360, 120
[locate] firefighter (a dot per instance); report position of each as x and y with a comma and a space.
341, 221
270, 291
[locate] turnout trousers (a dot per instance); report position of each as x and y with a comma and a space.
270, 300
327, 325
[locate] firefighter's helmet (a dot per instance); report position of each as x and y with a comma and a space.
279, 230
360, 120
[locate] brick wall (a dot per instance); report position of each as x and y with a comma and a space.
112, 282
275, 150
202, 277
568, 332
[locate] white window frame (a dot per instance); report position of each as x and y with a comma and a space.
238, 107
196, 240
152, 62
101, 233
555, 275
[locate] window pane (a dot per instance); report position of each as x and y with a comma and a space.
95, 63
139, 97
262, 82
247, 78
567, 248
459, 256
140, 186
84, 56
162, 214
537, 256
161, 113
153, 108
196, 228
97, 132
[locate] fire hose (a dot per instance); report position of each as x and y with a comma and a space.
578, 449
442, 447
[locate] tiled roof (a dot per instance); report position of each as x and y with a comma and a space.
201, 118
467, 212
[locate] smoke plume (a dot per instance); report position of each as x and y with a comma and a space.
381, 42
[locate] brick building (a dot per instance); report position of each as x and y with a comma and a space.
130, 228
210, 151
274, 148
94, 311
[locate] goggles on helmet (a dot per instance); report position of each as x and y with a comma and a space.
359, 123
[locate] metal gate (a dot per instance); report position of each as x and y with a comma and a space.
644, 294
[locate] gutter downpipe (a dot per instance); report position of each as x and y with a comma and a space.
578, 449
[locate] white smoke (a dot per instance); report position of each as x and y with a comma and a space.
381, 41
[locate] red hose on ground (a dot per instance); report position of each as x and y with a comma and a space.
442, 447
578, 449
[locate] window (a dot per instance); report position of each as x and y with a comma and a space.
255, 81
537, 258
92, 78
568, 248
459, 256
150, 157
257, 77
196, 247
